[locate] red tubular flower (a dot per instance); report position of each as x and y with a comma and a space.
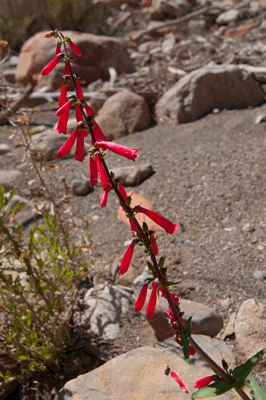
104, 198
69, 143
78, 113
62, 123
167, 225
90, 112
104, 179
75, 49
63, 96
98, 133
204, 381
79, 90
154, 246
67, 69
122, 191
141, 298
79, 154
57, 50
152, 301
65, 107
93, 171
179, 381
124, 151
125, 263
49, 67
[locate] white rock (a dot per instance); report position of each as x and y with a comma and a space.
228, 16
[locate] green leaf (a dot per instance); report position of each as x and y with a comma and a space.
2, 191
213, 390
185, 340
241, 372
257, 391
18, 206
170, 283
161, 262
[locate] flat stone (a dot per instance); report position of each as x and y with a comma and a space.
105, 304
140, 374
11, 179
250, 327
133, 175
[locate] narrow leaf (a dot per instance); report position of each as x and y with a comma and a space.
242, 371
213, 390
185, 340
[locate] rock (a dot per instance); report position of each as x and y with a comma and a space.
137, 199
248, 228
226, 303
199, 92
228, 16
122, 114
174, 8
229, 332
97, 101
49, 142
11, 179
10, 75
140, 374
250, 327
146, 47
25, 214
260, 117
4, 148
105, 304
99, 54
168, 45
205, 320
260, 275
116, 2
80, 187
133, 175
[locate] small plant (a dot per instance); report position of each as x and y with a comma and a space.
38, 291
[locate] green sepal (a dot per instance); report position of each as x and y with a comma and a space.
184, 337
128, 201
60, 56
145, 227
161, 262
213, 390
18, 206
241, 372
225, 365
165, 284
258, 391
68, 40
150, 266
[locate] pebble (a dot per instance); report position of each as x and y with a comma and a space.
260, 275
248, 228
4, 148
80, 187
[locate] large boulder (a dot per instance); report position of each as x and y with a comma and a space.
221, 86
98, 54
141, 374
122, 114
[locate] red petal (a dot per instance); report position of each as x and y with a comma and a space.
167, 225
141, 298
67, 146
152, 301
93, 171
127, 259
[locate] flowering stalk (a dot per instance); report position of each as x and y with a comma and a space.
98, 166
